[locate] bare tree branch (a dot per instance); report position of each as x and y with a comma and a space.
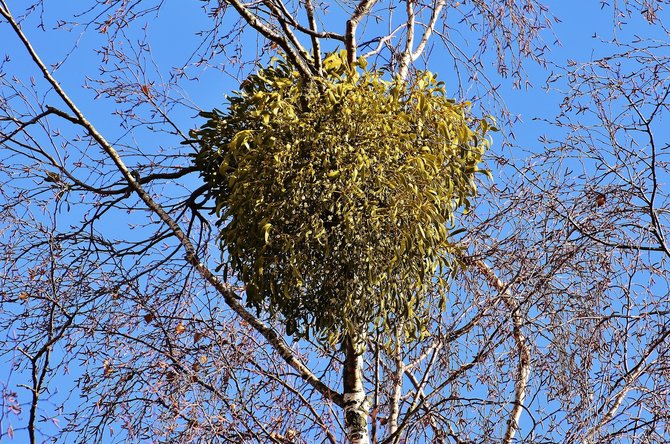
191, 256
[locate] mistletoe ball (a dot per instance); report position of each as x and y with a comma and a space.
335, 196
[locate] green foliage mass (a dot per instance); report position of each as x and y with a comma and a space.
335, 196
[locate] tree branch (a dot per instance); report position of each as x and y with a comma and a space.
406, 56
435, 14
350, 36
269, 34
316, 44
191, 256
523, 350
628, 379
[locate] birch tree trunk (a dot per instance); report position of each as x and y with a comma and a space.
355, 405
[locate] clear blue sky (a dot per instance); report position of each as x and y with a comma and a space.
583, 24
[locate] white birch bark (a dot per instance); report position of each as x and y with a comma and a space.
356, 408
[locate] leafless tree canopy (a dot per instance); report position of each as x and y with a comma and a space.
119, 323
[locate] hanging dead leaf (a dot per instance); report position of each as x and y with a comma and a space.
180, 328
107, 368
197, 336
601, 199
149, 317
23, 296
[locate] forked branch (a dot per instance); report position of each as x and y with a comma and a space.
522, 348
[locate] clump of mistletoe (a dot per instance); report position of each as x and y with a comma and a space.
335, 195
